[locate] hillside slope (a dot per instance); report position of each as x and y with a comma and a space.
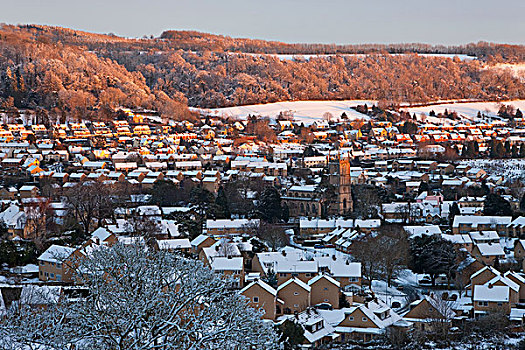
70, 71
67, 79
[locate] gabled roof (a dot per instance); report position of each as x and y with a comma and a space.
516, 275
56, 253
491, 293
199, 240
490, 249
101, 233
507, 281
296, 281
321, 276
490, 268
475, 220
261, 284
291, 266
221, 263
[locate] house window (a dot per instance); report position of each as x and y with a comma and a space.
500, 304
41, 273
364, 319
295, 305
350, 318
308, 275
59, 265
59, 278
52, 275
42, 263
255, 299
325, 288
295, 274
282, 275
295, 293
326, 300
483, 303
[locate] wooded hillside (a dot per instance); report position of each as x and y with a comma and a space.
72, 72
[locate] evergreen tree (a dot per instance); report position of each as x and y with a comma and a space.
496, 205
475, 148
500, 150
292, 335
286, 213
522, 151
423, 187
507, 149
518, 114
492, 148
270, 278
433, 255
465, 152
269, 206
203, 201
164, 193
453, 211
8, 253
222, 207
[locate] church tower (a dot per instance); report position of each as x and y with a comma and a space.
340, 178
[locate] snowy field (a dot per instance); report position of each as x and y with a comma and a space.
467, 109
304, 111
310, 111
510, 169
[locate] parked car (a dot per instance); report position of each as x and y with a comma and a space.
324, 306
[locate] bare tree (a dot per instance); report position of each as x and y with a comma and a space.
88, 201
396, 251
328, 116
142, 226
273, 235
141, 299
37, 221
441, 314
383, 254
369, 202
